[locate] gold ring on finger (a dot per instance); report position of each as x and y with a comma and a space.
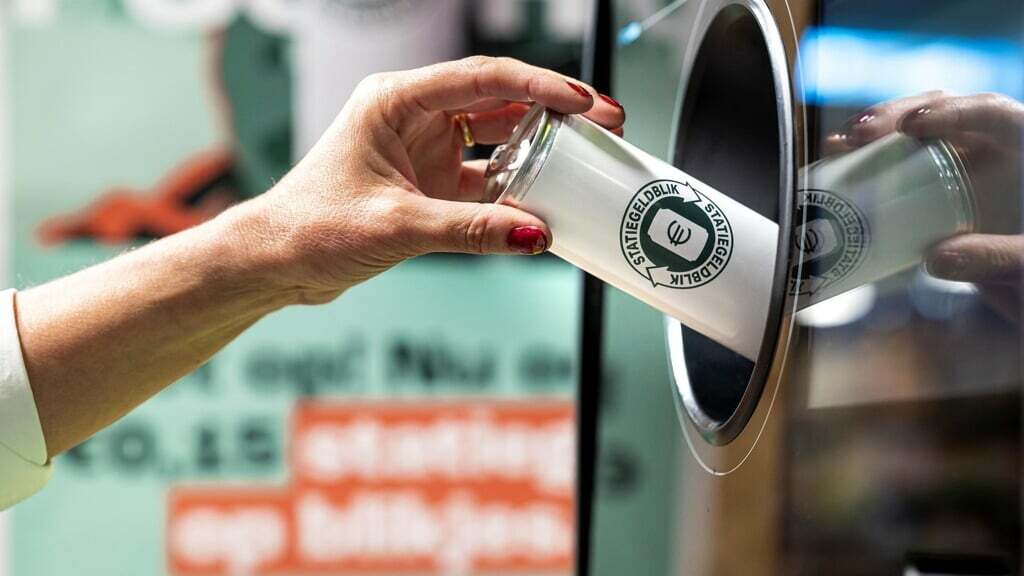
467, 134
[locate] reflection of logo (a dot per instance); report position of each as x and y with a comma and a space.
831, 241
817, 239
675, 236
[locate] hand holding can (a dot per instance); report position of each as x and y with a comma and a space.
874, 211
976, 144
642, 225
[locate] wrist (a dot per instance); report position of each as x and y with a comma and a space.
250, 257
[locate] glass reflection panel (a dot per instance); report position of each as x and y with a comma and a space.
895, 446
902, 443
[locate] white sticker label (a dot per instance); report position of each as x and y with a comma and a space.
678, 234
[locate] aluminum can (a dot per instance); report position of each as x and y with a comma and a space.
875, 211
642, 225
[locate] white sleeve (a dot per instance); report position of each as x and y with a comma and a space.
24, 466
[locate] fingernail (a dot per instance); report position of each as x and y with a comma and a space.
909, 119
579, 89
611, 101
861, 120
865, 118
528, 240
837, 137
857, 130
947, 265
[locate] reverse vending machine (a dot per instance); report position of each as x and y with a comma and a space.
876, 428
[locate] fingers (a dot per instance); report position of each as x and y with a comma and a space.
446, 226
1005, 300
875, 122
464, 83
472, 180
611, 115
486, 105
837, 143
495, 126
981, 258
934, 115
458, 84
599, 114
997, 116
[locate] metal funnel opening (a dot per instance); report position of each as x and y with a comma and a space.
730, 135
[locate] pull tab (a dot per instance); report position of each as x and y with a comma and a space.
507, 158
526, 150
499, 161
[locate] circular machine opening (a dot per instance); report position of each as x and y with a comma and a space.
732, 134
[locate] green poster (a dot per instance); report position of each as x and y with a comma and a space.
120, 132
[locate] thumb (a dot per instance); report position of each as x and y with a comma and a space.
978, 258
448, 226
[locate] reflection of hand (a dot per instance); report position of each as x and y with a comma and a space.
987, 130
993, 261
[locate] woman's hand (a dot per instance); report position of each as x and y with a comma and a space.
988, 131
387, 181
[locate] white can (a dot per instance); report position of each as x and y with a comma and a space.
875, 211
642, 225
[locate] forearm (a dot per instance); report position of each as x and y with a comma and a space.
384, 184
100, 342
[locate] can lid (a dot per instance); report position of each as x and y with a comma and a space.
514, 165
956, 180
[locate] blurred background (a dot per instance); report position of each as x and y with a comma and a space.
433, 420
424, 422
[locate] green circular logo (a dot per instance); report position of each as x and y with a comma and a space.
831, 239
675, 236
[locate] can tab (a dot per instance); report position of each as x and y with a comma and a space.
513, 165
507, 158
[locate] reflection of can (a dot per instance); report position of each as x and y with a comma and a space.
642, 225
876, 211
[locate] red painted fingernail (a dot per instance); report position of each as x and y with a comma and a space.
838, 137
611, 101
865, 118
859, 130
578, 89
527, 240
908, 121
862, 120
